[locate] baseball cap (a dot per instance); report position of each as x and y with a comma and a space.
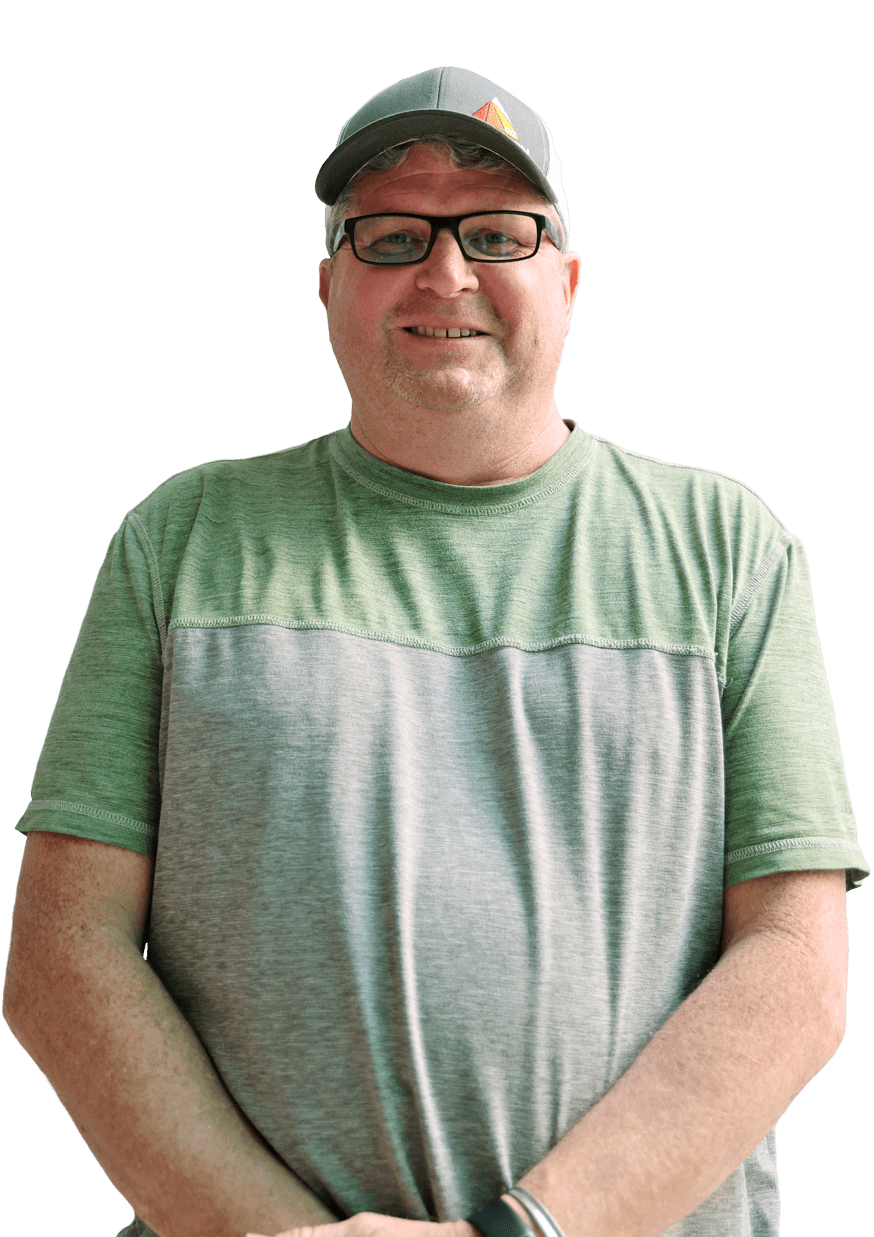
445, 102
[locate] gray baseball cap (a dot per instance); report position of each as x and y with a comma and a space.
445, 102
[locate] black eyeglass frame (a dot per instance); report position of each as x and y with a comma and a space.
453, 223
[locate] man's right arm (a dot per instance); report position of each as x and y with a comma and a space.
124, 1061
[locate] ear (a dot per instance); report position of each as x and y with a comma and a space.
324, 280
571, 280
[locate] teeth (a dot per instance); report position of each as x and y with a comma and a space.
439, 333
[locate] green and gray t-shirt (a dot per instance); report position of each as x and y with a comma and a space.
444, 785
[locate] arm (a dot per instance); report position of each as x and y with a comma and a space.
714, 1080
124, 1062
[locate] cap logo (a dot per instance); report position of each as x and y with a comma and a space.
493, 114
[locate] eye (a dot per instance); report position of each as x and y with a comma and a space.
388, 237
392, 241
500, 236
494, 243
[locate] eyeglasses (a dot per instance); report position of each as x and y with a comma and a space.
402, 240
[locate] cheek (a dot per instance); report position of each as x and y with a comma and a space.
357, 310
347, 317
534, 309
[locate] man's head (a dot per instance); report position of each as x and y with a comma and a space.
501, 280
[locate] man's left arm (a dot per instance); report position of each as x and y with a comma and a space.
715, 1079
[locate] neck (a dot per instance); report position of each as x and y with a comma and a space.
475, 454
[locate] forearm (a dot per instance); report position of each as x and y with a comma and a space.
147, 1100
697, 1100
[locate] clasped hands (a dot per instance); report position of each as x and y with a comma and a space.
368, 1224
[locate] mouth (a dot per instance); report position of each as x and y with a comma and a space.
437, 332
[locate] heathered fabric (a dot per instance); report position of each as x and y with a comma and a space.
445, 785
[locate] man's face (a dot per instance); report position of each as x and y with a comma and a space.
520, 310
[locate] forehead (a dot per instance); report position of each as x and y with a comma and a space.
427, 183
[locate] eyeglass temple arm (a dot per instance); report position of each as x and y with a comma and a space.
338, 240
550, 228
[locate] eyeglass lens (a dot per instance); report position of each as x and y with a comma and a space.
498, 237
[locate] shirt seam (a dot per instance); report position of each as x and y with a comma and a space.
82, 809
806, 843
151, 558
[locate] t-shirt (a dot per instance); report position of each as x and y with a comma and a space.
444, 786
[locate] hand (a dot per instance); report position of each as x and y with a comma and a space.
368, 1224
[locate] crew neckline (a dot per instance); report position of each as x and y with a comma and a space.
417, 490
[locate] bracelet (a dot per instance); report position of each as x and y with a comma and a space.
541, 1217
498, 1219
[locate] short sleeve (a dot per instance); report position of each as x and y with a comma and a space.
97, 775
787, 805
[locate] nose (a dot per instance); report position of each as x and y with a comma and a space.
446, 271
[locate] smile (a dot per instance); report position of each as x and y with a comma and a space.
439, 333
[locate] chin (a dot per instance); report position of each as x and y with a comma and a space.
449, 391
442, 401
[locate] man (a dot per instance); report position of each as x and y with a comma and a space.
474, 781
